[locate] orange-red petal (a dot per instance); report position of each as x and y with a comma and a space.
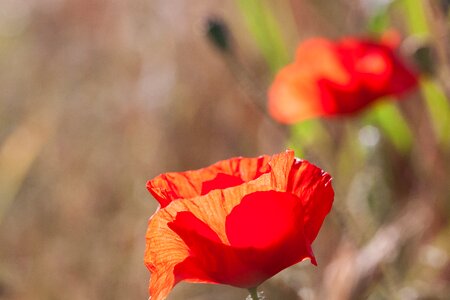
313, 187
295, 94
165, 249
254, 254
227, 173
335, 78
291, 95
239, 234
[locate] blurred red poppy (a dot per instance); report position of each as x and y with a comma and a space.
237, 222
334, 78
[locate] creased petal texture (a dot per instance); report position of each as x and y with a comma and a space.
238, 230
172, 186
313, 187
341, 77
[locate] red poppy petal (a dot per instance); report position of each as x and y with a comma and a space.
166, 251
403, 80
266, 232
378, 69
167, 255
313, 186
295, 94
263, 219
260, 247
375, 69
198, 236
281, 165
186, 221
319, 57
292, 95
170, 252
209, 260
343, 77
221, 181
172, 186
336, 99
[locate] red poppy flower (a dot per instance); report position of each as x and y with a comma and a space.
332, 78
237, 222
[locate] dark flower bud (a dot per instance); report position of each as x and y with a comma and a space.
422, 54
218, 34
423, 58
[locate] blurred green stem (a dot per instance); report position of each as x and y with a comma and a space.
266, 31
253, 293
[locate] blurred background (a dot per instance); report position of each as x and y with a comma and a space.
99, 96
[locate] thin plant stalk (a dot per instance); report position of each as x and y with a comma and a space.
253, 294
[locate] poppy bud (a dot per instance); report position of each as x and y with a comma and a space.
218, 34
421, 53
423, 58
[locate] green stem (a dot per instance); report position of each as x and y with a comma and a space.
253, 293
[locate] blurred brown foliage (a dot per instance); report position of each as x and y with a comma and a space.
96, 98
99, 96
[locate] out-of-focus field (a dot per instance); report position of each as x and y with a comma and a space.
97, 97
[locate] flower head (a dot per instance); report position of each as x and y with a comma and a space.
237, 222
333, 78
